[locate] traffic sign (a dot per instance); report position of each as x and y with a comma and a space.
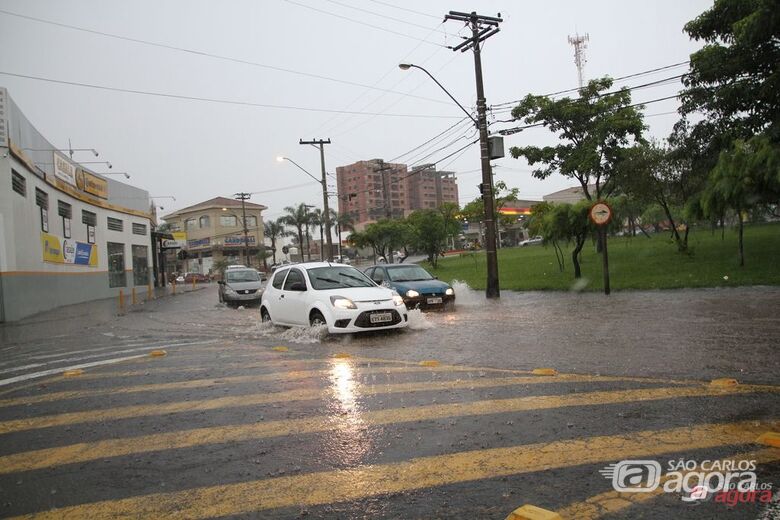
600, 213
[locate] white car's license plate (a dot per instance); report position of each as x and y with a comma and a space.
432, 301
381, 317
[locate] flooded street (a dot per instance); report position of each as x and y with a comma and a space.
185, 408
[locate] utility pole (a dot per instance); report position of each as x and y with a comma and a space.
243, 198
482, 28
321, 143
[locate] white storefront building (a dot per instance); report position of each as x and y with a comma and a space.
67, 234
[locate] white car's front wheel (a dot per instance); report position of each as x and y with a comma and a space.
264, 316
317, 319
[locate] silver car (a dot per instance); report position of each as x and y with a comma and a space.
241, 286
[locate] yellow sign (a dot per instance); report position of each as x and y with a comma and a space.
67, 251
93, 184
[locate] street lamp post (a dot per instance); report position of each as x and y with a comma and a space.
243, 197
479, 34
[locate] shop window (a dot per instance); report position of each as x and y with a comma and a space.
65, 211
140, 265
90, 219
18, 183
42, 201
116, 265
115, 224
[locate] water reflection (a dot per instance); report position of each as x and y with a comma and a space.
349, 442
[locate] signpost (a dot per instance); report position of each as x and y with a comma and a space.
601, 214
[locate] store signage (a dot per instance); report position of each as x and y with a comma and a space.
64, 170
65, 251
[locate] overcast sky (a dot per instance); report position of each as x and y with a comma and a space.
196, 150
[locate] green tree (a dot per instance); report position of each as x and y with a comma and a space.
746, 176
344, 222
299, 218
594, 131
734, 79
450, 212
568, 223
274, 230
383, 236
428, 233
538, 224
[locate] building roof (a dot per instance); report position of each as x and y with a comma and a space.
216, 202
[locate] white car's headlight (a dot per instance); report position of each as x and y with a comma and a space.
397, 300
230, 291
411, 293
449, 291
342, 303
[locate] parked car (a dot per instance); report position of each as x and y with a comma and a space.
532, 241
335, 295
241, 286
417, 287
342, 260
196, 277
235, 266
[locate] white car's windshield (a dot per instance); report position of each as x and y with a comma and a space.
408, 273
336, 277
244, 275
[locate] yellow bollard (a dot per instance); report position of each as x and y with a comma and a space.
121, 301
134, 297
193, 283
174, 287
149, 294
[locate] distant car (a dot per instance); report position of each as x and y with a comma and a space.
196, 277
416, 286
241, 286
235, 266
342, 260
532, 241
335, 295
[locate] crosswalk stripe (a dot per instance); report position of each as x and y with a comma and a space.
307, 394
272, 376
611, 502
82, 452
360, 482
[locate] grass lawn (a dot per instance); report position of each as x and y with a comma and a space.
634, 263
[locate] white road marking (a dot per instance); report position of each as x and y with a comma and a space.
35, 375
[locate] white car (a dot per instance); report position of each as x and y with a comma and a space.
336, 295
532, 241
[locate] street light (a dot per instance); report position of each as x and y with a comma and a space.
322, 182
492, 288
70, 150
99, 162
127, 175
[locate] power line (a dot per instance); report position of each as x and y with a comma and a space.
407, 22
643, 73
405, 9
215, 100
429, 140
210, 55
377, 27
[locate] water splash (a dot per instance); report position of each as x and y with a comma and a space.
418, 321
300, 335
465, 295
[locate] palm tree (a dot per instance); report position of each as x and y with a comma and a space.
274, 229
297, 217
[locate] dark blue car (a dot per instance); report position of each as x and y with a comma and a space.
415, 285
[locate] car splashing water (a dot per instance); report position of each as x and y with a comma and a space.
301, 335
418, 321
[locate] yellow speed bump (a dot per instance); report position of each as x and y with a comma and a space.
770, 439
724, 382
342, 355
158, 353
280, 349
544, 372
73, 373
429, 363
529, 512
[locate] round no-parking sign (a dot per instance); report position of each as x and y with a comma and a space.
600, 214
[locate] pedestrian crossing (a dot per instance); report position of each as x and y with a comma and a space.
269, 434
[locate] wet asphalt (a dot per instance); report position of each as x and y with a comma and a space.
443, 420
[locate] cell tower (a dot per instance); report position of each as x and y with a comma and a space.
580, 44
